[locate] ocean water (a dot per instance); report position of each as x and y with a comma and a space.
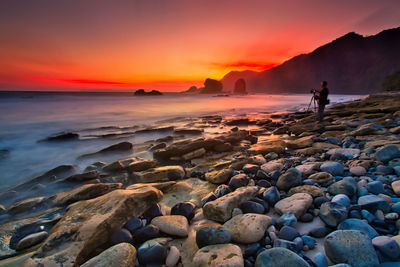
26, 118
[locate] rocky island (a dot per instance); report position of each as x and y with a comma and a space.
142, 92
268, 190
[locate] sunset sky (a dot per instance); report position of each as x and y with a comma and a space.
166, 44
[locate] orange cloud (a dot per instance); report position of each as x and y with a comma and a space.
244, 65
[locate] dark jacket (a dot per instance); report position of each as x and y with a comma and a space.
323, 96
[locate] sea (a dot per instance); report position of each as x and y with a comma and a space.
102, 119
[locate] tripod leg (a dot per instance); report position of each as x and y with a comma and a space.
309, 105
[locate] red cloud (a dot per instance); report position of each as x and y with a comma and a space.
246, 65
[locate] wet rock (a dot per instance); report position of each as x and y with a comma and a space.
351, 247
121, 236
152, 252
373, 203
346, 152
238, 181
387, 153
185, 209
306, 217
288, 219
209, 197
62, 137
31, 240
279, 257
220, 210
83, 176
345, 186
312, 190
29, 204
88, 224
84, 192
116, 166
141, 165
120, 147
175, 225
219, 177
165, 173
212, 235
297, 203
308, 168
120, 255
319, 232
333, 167
219, 255
321, 177
289, 179
247, 228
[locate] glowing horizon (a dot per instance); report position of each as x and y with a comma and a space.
167, 45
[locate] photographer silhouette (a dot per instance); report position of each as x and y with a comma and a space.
322, 98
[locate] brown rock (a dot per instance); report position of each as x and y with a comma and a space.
313, 190
297, 203
87, 226
321, 177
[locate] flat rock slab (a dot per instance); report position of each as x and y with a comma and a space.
84, 192
297, 203
175, 225
248, 228
88, 224
220, 210
224, 255
120, 255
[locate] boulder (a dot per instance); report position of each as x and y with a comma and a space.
220, 210
248, 228
84, 192
83, 176
358, 171
280, 257
352, 247
353, 152
219, 177
219, 256
308, 168
88, 224
160, 174
175, 225
120, 255
297, 203
289, 179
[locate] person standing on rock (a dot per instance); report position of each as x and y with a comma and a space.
323, 100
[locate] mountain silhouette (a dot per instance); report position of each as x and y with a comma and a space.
352, 64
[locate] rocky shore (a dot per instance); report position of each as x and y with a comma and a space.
272, 190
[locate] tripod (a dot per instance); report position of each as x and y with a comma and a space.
314, 102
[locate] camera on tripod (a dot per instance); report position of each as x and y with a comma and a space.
313, 91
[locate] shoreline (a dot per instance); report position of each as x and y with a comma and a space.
296, 180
